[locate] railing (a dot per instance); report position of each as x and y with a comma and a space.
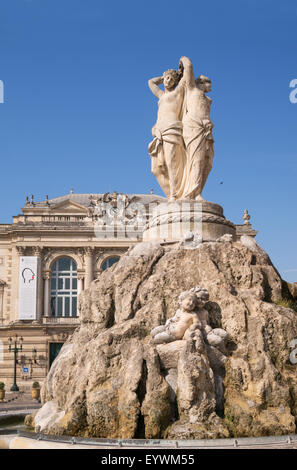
62, 218
60, 320
269, 442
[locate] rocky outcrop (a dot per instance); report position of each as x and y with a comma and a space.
110, 380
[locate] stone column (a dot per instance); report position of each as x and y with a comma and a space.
88, 266
80, 278
46, 293
37, 251
99, 256
1, 303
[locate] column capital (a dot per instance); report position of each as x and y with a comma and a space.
46, 275
21, 250
89, 250
37, 250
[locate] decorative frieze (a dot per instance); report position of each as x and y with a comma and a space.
37, 251
21, 250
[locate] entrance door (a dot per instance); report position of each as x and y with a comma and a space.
54, 349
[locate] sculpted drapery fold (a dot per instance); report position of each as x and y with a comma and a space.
182, 149
166, 140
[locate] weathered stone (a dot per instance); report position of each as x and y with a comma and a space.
110, 381
156, 407
169, 353
47, 417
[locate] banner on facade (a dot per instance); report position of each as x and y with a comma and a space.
28, 287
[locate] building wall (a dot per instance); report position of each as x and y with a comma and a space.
51, 229
32, 235
38, 334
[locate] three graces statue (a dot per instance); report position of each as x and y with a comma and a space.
182, 149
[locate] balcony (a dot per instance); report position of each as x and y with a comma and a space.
60, 321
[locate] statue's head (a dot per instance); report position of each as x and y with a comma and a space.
170, 79
202, 296
188, 301
193, 298
204, 83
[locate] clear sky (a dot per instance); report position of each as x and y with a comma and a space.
78, 113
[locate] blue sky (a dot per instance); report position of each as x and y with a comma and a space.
78, 113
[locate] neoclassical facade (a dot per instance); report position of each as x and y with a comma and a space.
48, 255
66, 240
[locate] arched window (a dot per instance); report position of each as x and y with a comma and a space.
109, 262
64, 288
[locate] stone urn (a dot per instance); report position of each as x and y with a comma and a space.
35, 391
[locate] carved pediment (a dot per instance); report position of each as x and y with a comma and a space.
68, 207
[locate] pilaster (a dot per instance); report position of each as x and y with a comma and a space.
88, 266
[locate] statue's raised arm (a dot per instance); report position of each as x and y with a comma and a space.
167, 149
182, 150
153, 84
186, 68
197, 131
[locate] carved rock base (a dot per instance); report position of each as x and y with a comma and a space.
181, 220
109, 381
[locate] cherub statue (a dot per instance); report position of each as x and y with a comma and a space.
190, 317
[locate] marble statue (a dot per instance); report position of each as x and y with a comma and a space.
191, 318
197, 131
167, 149
182, 149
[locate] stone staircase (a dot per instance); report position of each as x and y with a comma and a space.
18, 401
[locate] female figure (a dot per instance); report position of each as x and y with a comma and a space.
167, 149
197, 131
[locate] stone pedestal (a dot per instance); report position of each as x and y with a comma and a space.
176, 221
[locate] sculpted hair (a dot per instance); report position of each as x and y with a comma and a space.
176, 74
185, 294
200, 292
202, 79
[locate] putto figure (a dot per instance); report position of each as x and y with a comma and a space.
190, 317
182, 150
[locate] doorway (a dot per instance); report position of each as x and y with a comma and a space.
54, 349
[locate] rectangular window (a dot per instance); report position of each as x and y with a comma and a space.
74, 306
53, 283
67, 306
64, 288
53, 306
60, 306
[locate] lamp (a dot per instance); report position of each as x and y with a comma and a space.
34, 355
18, 346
